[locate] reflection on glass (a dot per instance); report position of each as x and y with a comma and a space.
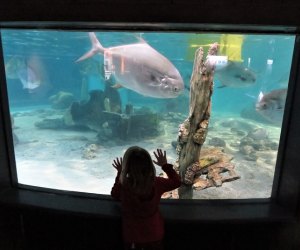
78, 100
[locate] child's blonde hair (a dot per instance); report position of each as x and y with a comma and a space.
138, 171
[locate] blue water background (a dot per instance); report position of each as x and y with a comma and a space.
59, 50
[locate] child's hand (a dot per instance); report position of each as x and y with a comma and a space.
161, 158
117, 164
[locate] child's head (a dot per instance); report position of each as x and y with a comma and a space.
138, 171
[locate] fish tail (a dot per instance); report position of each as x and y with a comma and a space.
96, 48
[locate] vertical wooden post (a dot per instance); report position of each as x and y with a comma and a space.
192, 132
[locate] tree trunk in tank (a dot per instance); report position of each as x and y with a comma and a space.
192, 132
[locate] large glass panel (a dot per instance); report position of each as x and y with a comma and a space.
73, 114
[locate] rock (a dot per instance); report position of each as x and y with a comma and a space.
90, 152
135, 126
246, 149
201, 183
271, 161
206, 161
234, 144
57, 123
90, 113
251, 157
258, 144
238, 131
258, 134
113, 100
273, 145
218, 152
237, 124
62, 100
173, 194
217, 142
213, 162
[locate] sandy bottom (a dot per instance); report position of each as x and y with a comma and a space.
55, 158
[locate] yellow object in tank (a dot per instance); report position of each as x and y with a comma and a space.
230, 45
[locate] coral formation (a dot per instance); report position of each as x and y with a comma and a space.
200, 135
183, 132
209, 170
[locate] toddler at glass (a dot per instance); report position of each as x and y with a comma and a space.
140, 190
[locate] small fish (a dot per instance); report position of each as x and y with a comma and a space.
234, 74
271, 105
138, 67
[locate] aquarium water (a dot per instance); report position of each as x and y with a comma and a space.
78, 100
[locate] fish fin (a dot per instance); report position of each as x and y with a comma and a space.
96, 48
87, 55
260, 96
117, 86
139, 37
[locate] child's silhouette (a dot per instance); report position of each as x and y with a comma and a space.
139, 191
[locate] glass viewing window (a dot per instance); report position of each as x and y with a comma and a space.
73, 109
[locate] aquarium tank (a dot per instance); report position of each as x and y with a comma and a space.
79, 99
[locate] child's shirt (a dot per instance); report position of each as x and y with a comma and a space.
142, 221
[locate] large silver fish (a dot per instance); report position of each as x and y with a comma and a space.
271, 105
140, 68
234, 74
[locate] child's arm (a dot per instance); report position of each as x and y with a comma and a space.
173, 180
116, 189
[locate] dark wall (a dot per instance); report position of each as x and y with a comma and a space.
41, 229
268, 12
37, 230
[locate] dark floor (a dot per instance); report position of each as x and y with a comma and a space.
39, 230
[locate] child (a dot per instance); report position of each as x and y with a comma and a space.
139, 191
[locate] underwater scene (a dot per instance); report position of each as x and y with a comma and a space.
79, 99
